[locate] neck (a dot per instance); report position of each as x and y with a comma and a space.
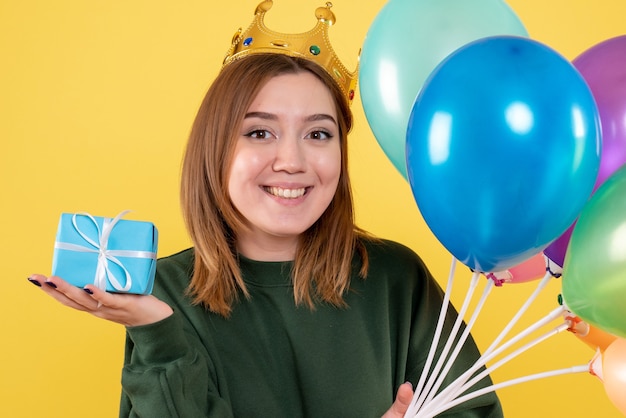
267, 248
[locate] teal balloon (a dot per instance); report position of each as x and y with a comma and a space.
503, 150
594, 271
406, 41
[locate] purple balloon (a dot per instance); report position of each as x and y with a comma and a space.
603, 67
556, 250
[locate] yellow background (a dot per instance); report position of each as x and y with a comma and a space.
96, 101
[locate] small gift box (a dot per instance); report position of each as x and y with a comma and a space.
116, 255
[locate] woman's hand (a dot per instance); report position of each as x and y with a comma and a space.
402, 402
126, 309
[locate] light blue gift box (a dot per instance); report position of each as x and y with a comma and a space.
116, 255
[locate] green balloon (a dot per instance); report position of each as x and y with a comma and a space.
594, 270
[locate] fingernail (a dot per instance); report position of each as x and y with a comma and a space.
52, 285
33, 281
88, 290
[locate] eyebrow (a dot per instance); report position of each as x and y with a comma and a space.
271, 116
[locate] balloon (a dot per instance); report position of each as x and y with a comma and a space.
405, 42
614, 373
532, 269
594, 274
503, 129
556, 250
603, 67
590, 335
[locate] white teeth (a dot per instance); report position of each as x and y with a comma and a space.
285, 193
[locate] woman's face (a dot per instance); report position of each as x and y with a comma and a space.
286, 164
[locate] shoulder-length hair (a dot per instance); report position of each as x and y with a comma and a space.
323, 260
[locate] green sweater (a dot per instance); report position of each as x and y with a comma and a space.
271, 358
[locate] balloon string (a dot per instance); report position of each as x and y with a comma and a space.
542, 284
461, 388
452, 390
461, 342
435, 342
524, 348
449, 342
490, 353
575, 369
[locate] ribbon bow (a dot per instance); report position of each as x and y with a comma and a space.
105, 255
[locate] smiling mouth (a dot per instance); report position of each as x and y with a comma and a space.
285, 193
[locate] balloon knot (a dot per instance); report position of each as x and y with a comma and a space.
553, 268
572, 321
496, 281
554, 274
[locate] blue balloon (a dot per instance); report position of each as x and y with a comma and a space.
503, 150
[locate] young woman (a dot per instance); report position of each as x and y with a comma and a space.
283, 307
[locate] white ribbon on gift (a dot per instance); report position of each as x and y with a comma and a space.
103, 272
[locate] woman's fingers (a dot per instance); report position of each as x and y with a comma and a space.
402, 402
125, 309
65, 293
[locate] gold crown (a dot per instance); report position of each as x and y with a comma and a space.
313, 45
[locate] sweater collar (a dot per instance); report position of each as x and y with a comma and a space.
265, 273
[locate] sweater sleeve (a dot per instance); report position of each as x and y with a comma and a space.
164, 375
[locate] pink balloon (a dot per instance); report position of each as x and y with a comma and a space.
603, 67
532, 269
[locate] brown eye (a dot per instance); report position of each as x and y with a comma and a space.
259, 134
319, 135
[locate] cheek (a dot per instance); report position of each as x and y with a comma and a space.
246, 164
240, 173
329, 166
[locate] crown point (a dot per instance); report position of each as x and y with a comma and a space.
324, 14
264, 6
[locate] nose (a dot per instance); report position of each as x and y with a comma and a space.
289, 155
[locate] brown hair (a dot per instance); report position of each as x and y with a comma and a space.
322, 265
